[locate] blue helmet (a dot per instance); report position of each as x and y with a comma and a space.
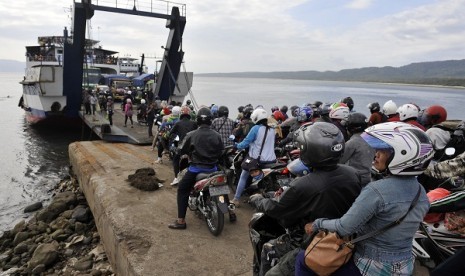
304, 114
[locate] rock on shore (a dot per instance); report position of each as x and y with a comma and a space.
61, 239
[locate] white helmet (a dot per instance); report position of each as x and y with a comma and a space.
410, 146
389, 108
142, 101
258, 115
339, 111
176, 110
128, 101
408, 111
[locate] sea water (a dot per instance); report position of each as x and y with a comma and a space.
34, 160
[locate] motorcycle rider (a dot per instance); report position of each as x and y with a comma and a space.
338, 115
329, 190
223, 125
204, 147
357, 153
402, 152
254, 142
180, 129
408, 113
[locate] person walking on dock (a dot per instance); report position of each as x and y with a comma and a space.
93, 102
128, 112
110, 107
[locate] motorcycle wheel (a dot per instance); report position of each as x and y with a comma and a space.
215, 218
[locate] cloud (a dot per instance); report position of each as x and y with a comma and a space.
359, 4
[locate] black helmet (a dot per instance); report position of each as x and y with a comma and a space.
356, 122
321, 144
284, 109
325, 109
240, 108
293, 109
349, 102
247, 112
223, 111
374, 107
188, 102
317, 104
204, 116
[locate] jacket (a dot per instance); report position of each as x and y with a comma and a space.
359, 155
204, 147
380, 203
254, 141
322, 193
181, 128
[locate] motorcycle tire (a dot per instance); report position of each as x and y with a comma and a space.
215, 218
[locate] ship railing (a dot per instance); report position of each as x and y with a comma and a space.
150, 6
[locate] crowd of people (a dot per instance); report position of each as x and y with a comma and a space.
364, 171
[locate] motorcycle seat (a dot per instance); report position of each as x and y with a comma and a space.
272, 165
201, 176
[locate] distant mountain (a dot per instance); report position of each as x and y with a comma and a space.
449, 72
7, 65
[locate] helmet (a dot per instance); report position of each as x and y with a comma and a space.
410, 146
223, 111
293, 110
356, 122
317, 104
389, 108
274, 108
176, 111
324, 109
349, 102
128, 101
408, 111
188, 102
204, 116
374, 107
214, 110
129, 92
247, 112
185, 111
110, 98
321, 144
339, 111
258, 115
240, 109
142, 101
284, 109
433, 115
279, 116
304, 114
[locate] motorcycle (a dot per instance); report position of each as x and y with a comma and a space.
262, 229
209, 199
231, 163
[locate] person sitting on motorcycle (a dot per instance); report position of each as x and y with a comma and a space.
204, 147
338, 114
244, 126
304, 116
390, 110
432, 115
223, 125
358, 154
180, 130
376, 116
254, 142
408, 113
328, 191
402, 152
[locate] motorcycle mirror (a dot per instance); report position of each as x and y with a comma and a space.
450, 151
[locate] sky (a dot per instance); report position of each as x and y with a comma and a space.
259, 35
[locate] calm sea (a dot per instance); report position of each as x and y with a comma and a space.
33, 161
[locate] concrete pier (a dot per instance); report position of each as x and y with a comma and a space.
133, 224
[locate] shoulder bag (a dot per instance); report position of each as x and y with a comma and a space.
250, 163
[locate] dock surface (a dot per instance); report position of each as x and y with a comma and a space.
137, 134
133, 224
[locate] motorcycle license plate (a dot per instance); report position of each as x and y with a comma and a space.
218, 190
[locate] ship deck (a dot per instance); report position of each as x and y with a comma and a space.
137, 135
